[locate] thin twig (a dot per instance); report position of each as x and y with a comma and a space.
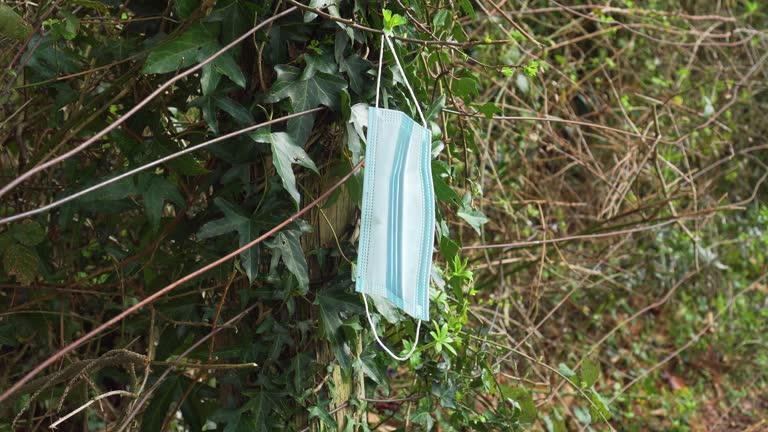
7, 188
119, 317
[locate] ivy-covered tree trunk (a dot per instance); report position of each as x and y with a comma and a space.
334, 223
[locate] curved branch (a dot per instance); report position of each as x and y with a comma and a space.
74, 345
7, 188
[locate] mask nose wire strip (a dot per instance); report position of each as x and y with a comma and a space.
381, 343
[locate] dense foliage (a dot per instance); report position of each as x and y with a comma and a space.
601, 226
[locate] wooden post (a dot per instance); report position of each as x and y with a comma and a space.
332, 223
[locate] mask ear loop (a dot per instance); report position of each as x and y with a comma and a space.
381, 343
405, 78
418, 108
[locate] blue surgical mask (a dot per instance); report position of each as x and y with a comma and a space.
398, 214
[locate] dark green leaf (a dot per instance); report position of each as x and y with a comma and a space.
286, 246
320, 89
323, 415
153, 417
285, 153
318, 63
368, 366
249, 258
210, 79
356, 68
226, 64
22, 262
235, 220
332, 302
234, 19
449, 248
237, 111
66, 28
181, 52
184, 8
28, 232
155, 191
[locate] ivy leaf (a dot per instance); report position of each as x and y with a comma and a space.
305, 93
184, 8
323, 414
181, 52
237, 111
331, 302
230, 417
358, 119
28, 233
155, 191
222, 65
247, 229
321, 62
366, 364
259, 406
285, 153
332, 5
286, 246
355, 67
154, 415
320, 89
22, 262
523, 400
424, 418
234, 19
249, 258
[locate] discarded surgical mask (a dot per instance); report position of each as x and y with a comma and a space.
398, 215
